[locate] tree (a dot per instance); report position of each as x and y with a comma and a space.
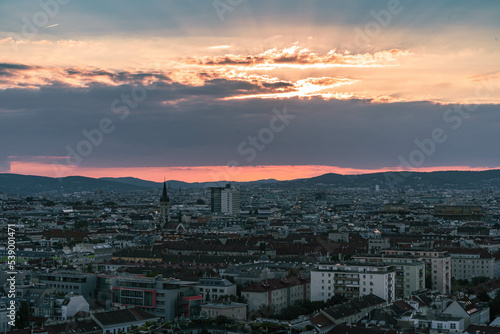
221, 320
265, 311
262, 247
479, 279
484, 297
22, 316
495, 306
335, 300
81, 225
303, 307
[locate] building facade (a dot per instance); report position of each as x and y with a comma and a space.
410, 272
277, 293
230, 310
470, 263
376, 245
225, 200
438, 266
215, 288
166, 298
352, 281
67, 281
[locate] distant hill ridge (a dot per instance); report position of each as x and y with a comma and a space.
30, 184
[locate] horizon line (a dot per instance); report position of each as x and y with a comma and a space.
207, 174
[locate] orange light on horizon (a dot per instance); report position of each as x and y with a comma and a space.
211, 173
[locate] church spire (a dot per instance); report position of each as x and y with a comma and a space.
164, 197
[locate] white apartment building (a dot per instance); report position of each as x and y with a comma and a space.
470, 263
230, 201
438, 266
352, 280
410, 271
215, 288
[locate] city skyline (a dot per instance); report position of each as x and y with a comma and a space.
184, 89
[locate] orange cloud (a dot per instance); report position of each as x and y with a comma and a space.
34, 77
305, 88
382, 76
294, 56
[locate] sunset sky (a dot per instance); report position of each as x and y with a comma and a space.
279, 88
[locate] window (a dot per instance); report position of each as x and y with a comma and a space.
453, 326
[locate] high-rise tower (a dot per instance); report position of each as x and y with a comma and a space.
225, 200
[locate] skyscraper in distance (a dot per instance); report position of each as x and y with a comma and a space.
225, 200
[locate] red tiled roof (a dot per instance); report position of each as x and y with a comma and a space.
321, 321
484, 254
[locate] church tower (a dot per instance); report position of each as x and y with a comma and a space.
164, 206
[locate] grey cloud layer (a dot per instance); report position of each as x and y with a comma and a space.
199, 129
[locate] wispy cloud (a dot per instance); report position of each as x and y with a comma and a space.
218, 47
295, 56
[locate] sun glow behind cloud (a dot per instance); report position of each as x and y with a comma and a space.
392, 75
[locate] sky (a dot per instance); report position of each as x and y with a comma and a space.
242, 90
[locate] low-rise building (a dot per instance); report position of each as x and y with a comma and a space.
72, 305
121, 321
166, 298
71, 281
4, 321
376, 245
277, 293
469, 311
230, 310
215, 288
349, 312
101, 252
